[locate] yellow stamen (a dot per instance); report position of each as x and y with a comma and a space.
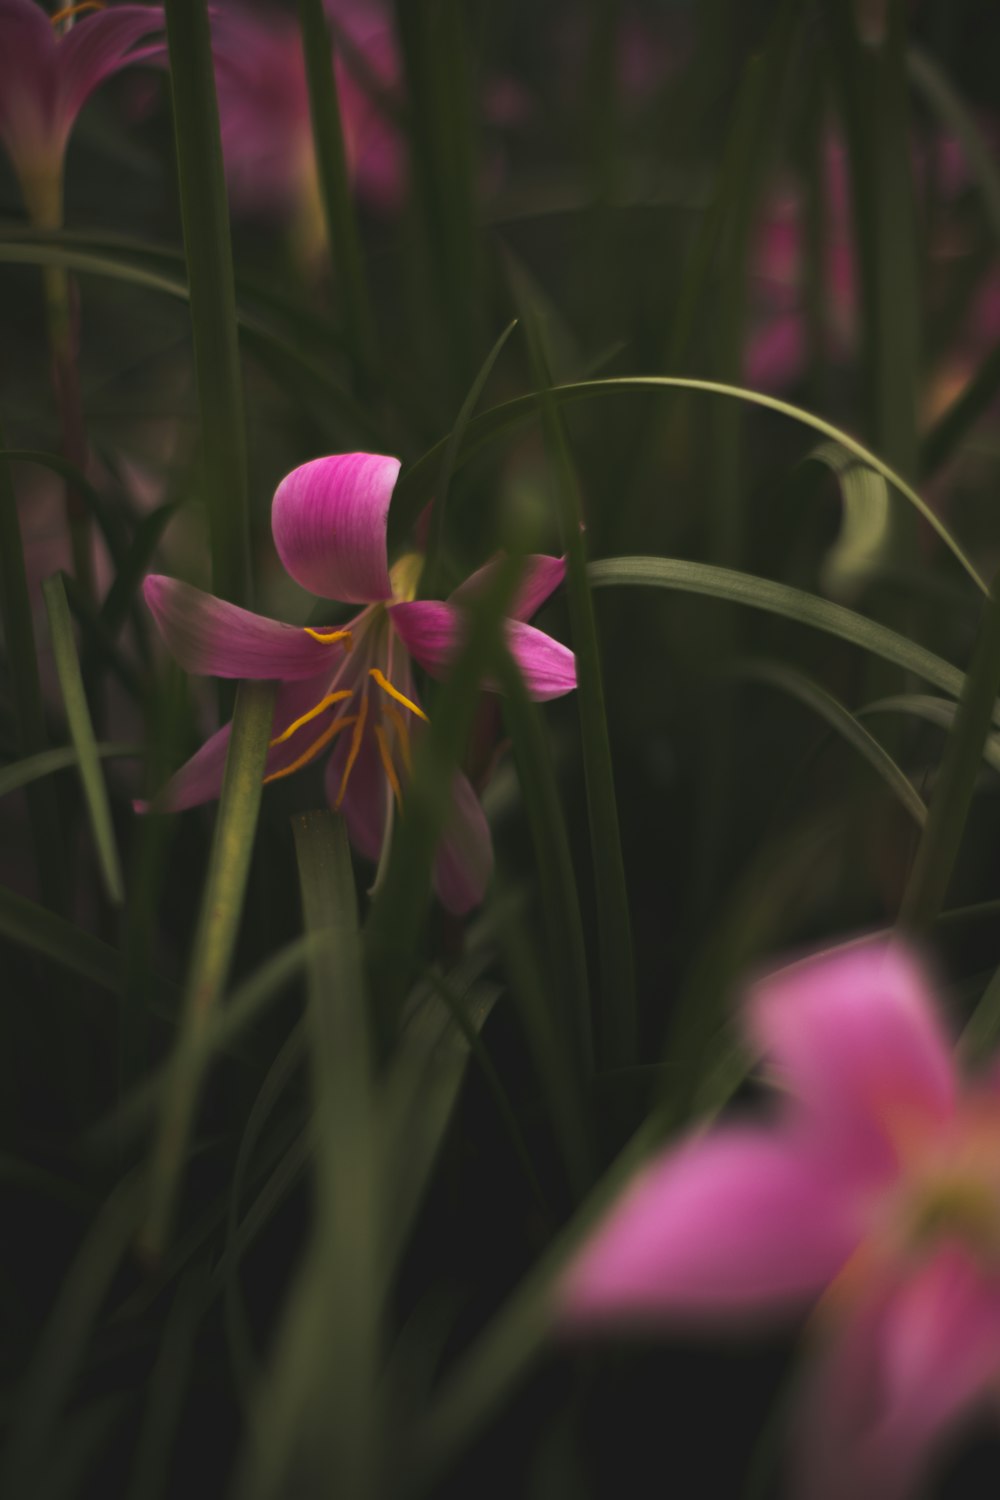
76, 10
327, 637
314, 749
352, 754
394, 692
389, 768
321, 707
403, 734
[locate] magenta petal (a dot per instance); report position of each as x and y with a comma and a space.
547, 666
27, 81
738, 1223
855, 1036
216, 639
329, 522
463, 864
432, 632
101, 44
198, 780
541, 577
902, 1371
366, 802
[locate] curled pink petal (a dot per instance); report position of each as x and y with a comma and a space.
463, 864
432, 632
541, 577
329, 522
198, 780
736, 1224
216, 639
101, 44
854, 1035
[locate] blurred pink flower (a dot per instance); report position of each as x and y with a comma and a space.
873, 1192
264, 112
329, 521
49, 67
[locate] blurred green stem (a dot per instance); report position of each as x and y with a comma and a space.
26, 688
335, 189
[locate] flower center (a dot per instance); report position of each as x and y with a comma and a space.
404, 576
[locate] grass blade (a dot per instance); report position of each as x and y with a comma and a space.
205, 216
416, 486
26, 690
939, 711
335, 190
787, 680
82, 733
317, 1418
779, 599
952, 795
221, 907
617, 1011
429, 578
64, 1338
24, 772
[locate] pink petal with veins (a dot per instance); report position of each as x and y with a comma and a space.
216, 639
329, 521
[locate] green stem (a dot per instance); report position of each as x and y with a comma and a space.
335, 190
26, 688
205, 216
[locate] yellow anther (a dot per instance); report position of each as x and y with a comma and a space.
387, 765
403, 735
307, 755
321, 707
352, 754
394, 692
76, 10
327, 637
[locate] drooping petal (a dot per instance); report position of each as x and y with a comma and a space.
432, 632
541, 577
855, 1036
200, 779
101, 44
366, 801
902, 1371
463, 863
740, 1223
216, 639
329, 523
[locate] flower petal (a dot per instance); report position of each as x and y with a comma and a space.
329, 523
432, 632
911, 1362
855, 1036
541, 577
200, 779
738, 1223
101, 44
463, 864
27, 81
366, 802
216, 639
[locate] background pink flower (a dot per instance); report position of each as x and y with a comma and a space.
872, 1194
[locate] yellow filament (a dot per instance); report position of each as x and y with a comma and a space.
352, 754
76, 10
394, 692
389, 768
321, 706
327, 637
314, 749
403, 734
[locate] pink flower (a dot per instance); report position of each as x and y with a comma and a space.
48, 70
873, 1191
352, 687
264, 112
